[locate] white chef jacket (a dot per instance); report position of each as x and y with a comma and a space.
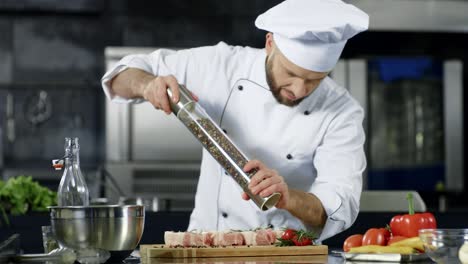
317, 146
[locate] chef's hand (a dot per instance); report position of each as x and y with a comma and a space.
266, 182
155, 92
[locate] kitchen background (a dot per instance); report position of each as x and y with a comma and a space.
411, 63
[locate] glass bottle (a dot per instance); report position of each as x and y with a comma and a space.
72, 190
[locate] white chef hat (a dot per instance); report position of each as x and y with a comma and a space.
313, 33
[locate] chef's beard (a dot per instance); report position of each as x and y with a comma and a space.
274, 87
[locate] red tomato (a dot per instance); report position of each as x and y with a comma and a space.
352, 241
288, 234
303, 241
394, 239
376, 236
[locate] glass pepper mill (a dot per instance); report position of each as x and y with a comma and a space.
72, 190
218, 144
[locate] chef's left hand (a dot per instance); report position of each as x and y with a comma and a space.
266, 182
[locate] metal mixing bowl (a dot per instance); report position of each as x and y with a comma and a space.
115, 228
442, 245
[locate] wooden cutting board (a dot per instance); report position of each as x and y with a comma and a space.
304, 259
161, 251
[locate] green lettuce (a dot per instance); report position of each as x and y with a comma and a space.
19, 195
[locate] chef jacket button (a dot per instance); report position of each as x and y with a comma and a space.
225, 172
225, 215
271, 226
224, 130
306, 112
289, 156
240, 87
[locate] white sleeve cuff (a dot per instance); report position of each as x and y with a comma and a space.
332, 204
133, 61
327, 195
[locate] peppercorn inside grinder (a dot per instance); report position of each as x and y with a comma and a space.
220, 146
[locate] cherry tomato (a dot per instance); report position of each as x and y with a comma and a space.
352, 241
376, 236
395, 239
288, 234
303, 241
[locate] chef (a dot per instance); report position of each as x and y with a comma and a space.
300, 130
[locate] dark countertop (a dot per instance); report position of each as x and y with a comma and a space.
156, 223
332, 258
325, 259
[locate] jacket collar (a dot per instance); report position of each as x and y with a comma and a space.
257, 72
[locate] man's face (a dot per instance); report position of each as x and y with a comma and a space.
289, 83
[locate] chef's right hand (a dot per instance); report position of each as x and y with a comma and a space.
155, 92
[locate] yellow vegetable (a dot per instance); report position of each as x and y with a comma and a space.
383, 249
414, 242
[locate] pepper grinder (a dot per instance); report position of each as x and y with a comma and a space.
218, 144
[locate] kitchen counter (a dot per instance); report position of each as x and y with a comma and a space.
156, 223
268, 260
252, 260
29, 227
330, 259
324, 259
